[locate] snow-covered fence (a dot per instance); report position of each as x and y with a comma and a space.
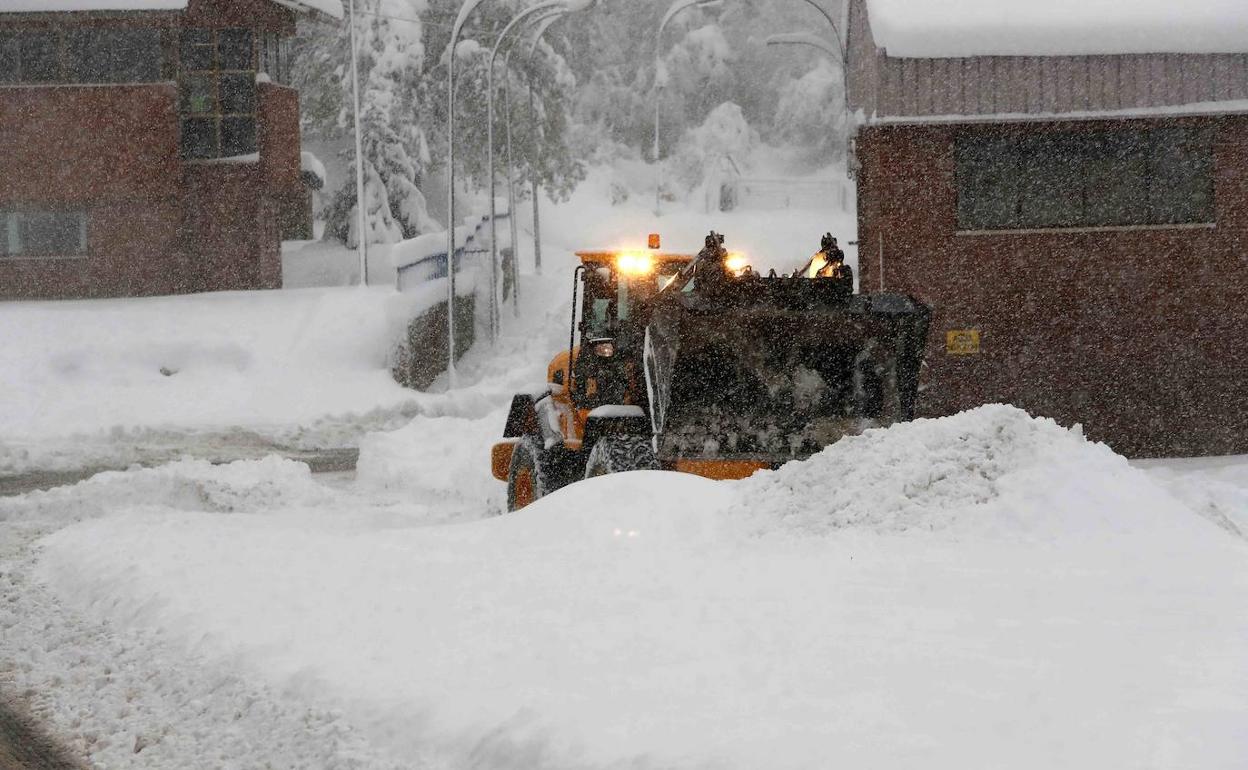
770, 194
421, 265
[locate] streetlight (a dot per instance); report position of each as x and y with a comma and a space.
541, 22
465, 11
542, 26
516, 20
674, 9
813, 41
840, 43
803, 38
362, 237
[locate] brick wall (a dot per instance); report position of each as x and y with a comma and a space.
112, 152
1138, 334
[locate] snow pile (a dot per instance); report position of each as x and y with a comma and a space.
639, 620
1058, 27
247, 486
266, 363
1214, 488
443, 461
992, 469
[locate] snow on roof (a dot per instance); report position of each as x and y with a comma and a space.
952, 28
329, 7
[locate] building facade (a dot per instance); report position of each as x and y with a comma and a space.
1079, 224
149, 146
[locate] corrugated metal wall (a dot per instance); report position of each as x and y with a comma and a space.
887, 87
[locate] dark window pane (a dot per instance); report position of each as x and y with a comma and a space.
114, 55
238, 136
198, 94
1182, 176
1116, 179
196, 58
39, 61
238, 94
195, 37
235, 49
137, 55
987, 184
9, 57
199, 138
1050, 190
5, 248
51, 233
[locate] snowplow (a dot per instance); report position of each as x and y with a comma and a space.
697, 363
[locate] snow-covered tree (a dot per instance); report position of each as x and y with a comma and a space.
395, 145
811, 113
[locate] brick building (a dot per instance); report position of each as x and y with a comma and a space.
148, 146
1073, 204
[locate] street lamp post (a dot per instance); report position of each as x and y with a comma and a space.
672, 11
840, 43
361, 236
516, 20
542, 26
465, 11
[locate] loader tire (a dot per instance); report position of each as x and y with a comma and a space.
531, 474
618, 454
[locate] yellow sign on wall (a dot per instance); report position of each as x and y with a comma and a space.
962, 342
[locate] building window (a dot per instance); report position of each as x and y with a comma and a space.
43, 233
1157, 176
217, 75
29, 56
103, 55
81, 55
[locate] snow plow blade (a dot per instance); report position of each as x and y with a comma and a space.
774, 369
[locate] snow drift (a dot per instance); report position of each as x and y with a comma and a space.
981, 590
994, 469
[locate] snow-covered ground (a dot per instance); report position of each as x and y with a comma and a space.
981, 590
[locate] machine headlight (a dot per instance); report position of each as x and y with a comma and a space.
634, 263
736, 263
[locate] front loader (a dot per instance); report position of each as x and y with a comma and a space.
666, 369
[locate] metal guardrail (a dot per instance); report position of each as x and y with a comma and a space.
433, 266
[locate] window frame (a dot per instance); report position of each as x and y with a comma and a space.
218, 117
11, 242
992, 168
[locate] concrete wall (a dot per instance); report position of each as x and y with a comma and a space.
1138, 333
422, 357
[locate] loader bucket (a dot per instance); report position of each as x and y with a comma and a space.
776, 369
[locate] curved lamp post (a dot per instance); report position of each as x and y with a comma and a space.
840, 42
465, 11
672, 11
362, 237
542, 24
814, 41
519, 18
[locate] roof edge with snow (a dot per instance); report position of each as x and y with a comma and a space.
330, 8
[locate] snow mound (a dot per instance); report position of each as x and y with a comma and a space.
990, 470
247, 486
